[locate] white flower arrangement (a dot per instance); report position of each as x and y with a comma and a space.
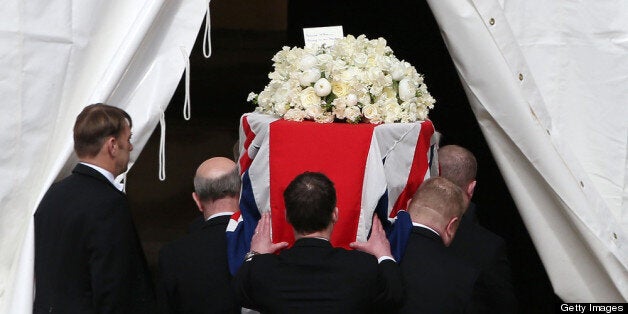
354, 80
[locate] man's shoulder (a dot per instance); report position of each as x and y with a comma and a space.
331, 255
183, 244
82, 184
78, 195
208, 235
355, 255
477, 235
432, 258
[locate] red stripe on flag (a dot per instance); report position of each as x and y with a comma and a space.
235, 216
338, 150
245, 161
420, 164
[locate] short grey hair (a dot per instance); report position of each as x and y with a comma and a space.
457, 164
211, 189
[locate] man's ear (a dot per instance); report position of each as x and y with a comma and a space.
198, 202
334, 215
111, 146
471, 189
450, 230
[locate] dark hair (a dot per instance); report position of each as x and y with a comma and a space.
95, 124
211, 189
310, 201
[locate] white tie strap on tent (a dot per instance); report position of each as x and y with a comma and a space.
547, 82
58, 56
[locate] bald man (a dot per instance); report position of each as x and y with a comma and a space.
194, 276
436, 280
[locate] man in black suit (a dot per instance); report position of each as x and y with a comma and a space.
88, 257
194, 276
313, 276
436, 280
476, 244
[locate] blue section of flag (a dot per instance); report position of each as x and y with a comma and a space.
399, 233
239, 240
381, 210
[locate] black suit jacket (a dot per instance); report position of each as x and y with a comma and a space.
314, 277
487, 252
194, 275
88, 257
436, 280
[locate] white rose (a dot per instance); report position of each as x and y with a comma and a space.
406, 90
353, 114
360, 59
340, 88
322, 87
352, 100
364, 98
313, 110
375, 74
324, 59
348, 74
398, 71
389, 93
280, 109
376, 89
339, 105
371, 111
307, 62
264, 98
392, 111
308, 98
309, 76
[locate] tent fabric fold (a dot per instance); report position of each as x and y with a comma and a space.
560, 188
58, 57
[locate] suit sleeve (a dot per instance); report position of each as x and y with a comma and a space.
391, 291
242, 285
166, 284
111, 247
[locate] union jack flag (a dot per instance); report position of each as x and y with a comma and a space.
375, 169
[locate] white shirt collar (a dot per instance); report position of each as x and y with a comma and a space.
107, 175
416, 224
219, 214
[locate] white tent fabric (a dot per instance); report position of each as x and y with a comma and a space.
547, 82
58, 56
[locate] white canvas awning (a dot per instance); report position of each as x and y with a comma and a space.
56, 57
547, 82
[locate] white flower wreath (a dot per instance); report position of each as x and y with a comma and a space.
354, 80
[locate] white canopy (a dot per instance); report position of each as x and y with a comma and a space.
58, 56
548, 82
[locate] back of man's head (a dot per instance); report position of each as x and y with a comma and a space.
457, 164
438, 203
95, 124
310, 200
217, 178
